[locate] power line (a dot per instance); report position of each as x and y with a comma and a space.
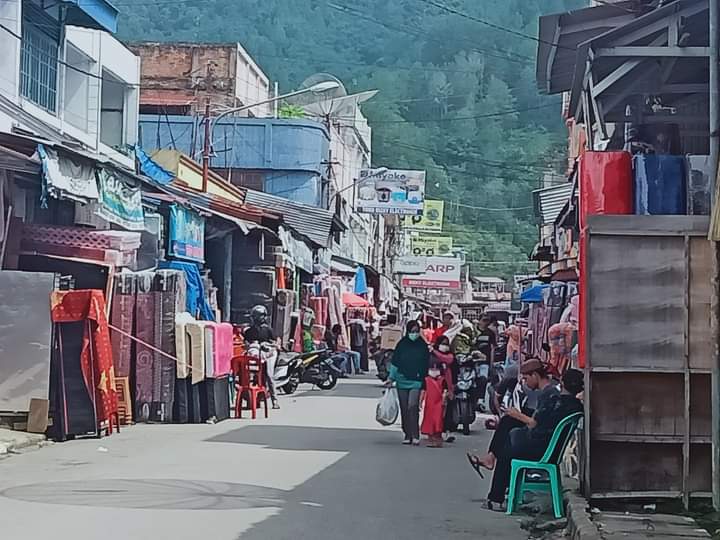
490, 24
461, 118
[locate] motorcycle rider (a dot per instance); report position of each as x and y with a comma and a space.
261, 332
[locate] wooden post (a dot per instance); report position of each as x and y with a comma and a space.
227, 281
206, 148
715, 384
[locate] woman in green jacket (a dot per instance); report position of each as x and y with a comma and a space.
408, 368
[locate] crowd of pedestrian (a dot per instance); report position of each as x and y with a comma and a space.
531, 399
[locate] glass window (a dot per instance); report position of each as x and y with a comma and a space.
39, 66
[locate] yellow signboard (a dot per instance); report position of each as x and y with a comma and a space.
431, 246
430, 221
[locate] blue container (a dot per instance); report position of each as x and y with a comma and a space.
660, 186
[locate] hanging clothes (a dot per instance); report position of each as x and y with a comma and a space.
96, 360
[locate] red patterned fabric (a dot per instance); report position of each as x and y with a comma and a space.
96, 356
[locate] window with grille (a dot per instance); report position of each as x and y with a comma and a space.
39, 58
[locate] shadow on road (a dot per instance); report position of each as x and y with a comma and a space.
149, 494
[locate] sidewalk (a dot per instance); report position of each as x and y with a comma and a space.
582, 525
12, 441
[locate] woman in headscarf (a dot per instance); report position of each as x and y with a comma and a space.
408, 368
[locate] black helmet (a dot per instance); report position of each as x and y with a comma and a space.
259, 314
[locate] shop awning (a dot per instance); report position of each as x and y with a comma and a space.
549, 202
353, 300
314, 223
15, 161
341, 267
533, 295
98, 14
561, 33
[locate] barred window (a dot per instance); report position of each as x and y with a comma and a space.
39, 66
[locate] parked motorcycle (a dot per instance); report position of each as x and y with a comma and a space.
465, 391
316, 368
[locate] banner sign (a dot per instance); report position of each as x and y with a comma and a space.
410, 265
120, 202
431, 246
391, 192
440, 273
186, 234
431, 219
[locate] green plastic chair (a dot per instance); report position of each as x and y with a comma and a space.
549, 463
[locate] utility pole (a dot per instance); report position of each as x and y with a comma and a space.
206, 147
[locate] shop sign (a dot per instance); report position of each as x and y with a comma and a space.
431, 246
439, 273
298, 251
120, 202
391, 192
186, 234
410, 265
431, 219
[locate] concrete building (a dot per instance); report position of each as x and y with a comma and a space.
65, 77
178, 78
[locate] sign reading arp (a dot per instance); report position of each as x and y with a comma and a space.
440, 273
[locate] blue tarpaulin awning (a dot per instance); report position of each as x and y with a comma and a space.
99, 14
533, 295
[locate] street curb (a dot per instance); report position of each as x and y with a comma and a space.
580, 526
10, 447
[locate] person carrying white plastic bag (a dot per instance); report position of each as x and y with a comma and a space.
388, 408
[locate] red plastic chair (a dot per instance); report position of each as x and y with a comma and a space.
249, 374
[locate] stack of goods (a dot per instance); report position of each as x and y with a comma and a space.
82, 388
258, 289
699, 173
169, 286
118, 248
147, 330
660, 184
214, 390
606, 187
122, 317
284, 304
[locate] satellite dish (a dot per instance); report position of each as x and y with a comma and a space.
323, 98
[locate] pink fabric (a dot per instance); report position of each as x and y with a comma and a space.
515, 336
432, 422
560, 340
223, 348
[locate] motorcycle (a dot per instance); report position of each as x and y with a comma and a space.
316, 368
496, 374
465, 392
289, 369
482, 375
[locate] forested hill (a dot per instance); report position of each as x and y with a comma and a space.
457, 91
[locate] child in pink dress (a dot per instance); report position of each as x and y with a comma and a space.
433, 397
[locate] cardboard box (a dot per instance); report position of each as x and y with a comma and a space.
390, 336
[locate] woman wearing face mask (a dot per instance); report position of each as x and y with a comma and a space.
408, 368
445, 359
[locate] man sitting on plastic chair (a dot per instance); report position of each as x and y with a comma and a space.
531, 441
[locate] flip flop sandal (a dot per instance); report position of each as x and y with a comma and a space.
474, 463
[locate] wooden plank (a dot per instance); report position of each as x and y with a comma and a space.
648, 225
653, 52
627, 405
625, 467
636, 315
37, 421
700, 479
686, 376
700, 338
715, 391
637, 495
700, 410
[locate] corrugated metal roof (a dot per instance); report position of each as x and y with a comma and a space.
549, 202
310, 221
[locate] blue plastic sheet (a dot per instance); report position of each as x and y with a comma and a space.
660, 184
360, 281
533, 295
195, 301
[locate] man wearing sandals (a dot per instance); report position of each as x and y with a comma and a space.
529, 441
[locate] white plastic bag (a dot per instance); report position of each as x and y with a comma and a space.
388, 408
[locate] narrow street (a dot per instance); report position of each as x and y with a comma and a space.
320, 468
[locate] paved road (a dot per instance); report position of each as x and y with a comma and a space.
319, 469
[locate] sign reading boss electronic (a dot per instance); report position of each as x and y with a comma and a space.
440, 273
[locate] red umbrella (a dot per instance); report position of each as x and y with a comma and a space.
353, 300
